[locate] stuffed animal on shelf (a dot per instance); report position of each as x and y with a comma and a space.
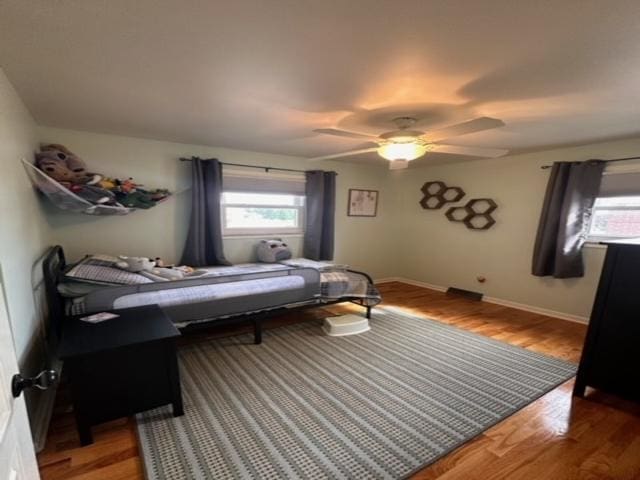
93, 194
62, 165
126, 186
135, 199
159, 194
273, 250
107, 183
70, 170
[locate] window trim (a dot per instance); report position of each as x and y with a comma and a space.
597, 239
262, 231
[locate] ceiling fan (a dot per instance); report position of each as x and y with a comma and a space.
402, 145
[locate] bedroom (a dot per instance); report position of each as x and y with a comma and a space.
131, 88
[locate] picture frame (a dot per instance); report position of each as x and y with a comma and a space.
362, 203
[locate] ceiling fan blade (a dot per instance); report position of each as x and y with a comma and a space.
472, 126
344, 133
343, 154
471, 151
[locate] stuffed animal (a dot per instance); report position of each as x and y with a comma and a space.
126, 186
136, 199
135, 264
159, 194
273, 250
147, 267
168, 273
107, 183
93, 194
62, 165
68, 169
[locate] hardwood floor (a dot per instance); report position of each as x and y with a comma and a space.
556, 437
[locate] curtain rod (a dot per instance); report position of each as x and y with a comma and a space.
544, 167
266, 169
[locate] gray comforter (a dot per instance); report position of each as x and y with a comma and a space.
95, 284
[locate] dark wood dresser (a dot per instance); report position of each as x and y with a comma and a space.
121, 366
611, 356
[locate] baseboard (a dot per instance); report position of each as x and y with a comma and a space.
497, 301
542, 311
413, 282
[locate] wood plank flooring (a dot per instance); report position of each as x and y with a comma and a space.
556, 437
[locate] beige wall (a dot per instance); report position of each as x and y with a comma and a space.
403, 241
161, 231
443, 253
24, 233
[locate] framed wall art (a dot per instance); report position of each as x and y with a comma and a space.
362, 203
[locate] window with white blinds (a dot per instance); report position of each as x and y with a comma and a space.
616, 212
256, 203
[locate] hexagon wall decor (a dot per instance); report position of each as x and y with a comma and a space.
482, 205
458, 214
479, 217
437, 194
475, 214
479, 221
453, 194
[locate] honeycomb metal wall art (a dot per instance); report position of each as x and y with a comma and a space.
475, 214
437, 194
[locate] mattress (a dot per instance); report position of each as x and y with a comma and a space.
211, 297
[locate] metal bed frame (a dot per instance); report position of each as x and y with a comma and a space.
54, 264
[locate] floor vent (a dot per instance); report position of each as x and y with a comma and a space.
459, 292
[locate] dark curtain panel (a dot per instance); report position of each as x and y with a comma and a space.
321, 212
571, 191
204, 241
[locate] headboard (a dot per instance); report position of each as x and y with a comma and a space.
53, 266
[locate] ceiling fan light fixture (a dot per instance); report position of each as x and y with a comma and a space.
403, 150
398, 164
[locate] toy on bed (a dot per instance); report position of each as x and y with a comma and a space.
273, 250
155, 269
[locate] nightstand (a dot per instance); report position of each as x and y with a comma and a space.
120, 366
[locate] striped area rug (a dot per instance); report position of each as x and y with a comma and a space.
381, 404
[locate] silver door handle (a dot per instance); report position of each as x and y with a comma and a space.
43, 380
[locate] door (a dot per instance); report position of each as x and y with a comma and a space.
17, 457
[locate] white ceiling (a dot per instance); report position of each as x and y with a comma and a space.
262, 74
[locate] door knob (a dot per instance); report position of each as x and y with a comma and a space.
43, 380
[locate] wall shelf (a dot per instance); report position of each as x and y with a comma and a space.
65, 199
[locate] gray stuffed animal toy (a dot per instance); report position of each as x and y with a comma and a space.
273, 250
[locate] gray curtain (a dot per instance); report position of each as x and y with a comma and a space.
204, 241
321, 211
571, 192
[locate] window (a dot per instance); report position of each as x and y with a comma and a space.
262, 213
615, 218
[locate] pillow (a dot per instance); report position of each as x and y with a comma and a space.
102, 270
323, 266
273, 250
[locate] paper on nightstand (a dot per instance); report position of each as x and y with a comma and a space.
99, 317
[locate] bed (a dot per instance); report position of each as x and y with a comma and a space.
248, 292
